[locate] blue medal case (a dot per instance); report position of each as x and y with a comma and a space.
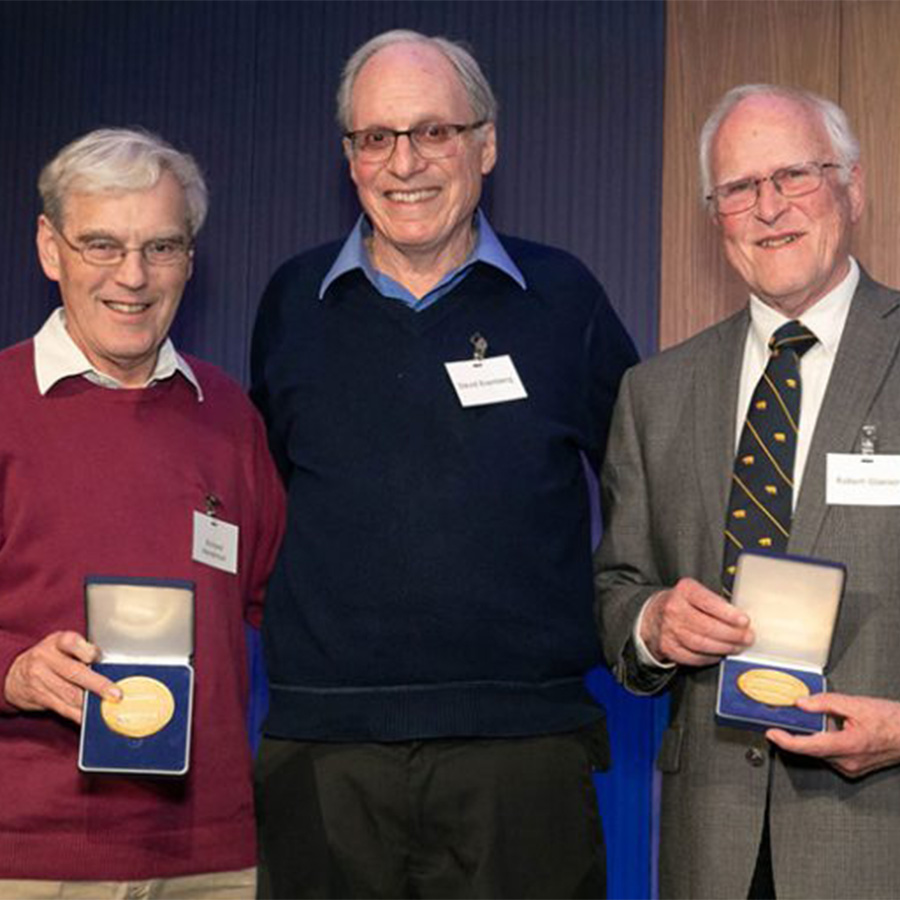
143, 626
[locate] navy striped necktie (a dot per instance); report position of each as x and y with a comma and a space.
762, 484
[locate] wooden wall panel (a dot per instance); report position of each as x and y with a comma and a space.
870, 89
710, 47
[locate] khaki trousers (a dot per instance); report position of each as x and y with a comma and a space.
238, 885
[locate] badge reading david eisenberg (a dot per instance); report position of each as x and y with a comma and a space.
146, 707
771, 687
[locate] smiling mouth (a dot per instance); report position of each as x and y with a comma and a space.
130, 309
782, 240
419, 196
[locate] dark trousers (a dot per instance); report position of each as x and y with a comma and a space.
762, 885
510, 817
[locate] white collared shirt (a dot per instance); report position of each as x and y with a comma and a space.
57, 356
825, 319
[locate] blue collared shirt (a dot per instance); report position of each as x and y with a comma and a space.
354, 255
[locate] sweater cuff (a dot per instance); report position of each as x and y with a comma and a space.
10, 647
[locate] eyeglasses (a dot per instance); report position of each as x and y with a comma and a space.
103, 251
791, 181
431, 140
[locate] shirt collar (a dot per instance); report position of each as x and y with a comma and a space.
825, 318
57, 356
488, 250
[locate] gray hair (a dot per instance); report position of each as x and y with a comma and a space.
844, 143
120, 159
481, 97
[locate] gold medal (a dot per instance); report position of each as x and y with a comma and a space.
146, 707
771, 687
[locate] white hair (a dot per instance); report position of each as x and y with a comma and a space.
482, 101
844, 143
120, 159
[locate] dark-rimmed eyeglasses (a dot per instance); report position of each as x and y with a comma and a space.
104, 251
431, 140
791, 181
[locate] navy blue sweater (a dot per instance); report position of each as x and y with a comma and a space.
435, 578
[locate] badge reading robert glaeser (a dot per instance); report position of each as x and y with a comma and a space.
481, 381
146, 707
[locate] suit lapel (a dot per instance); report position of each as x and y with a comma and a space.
716, 382
865, 355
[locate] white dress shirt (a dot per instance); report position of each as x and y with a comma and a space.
826, 319
57, 356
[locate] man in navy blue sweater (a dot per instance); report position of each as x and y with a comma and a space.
432, 393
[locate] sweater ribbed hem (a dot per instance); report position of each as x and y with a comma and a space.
113, 855
398, 713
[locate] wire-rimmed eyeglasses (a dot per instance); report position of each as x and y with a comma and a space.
791, 181
104, 251
431, 140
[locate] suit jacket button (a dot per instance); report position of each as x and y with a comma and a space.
754, 756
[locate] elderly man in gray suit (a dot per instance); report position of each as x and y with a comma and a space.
748, 813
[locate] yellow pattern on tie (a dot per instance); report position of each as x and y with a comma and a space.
759, 507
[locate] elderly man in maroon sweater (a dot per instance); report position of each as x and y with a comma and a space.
112, 445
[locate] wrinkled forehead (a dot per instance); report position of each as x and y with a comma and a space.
161, 206
764, 133
409, 80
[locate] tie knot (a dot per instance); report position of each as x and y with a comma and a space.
792, 335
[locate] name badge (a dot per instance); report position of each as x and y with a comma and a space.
862, 479
479, 382
215, 543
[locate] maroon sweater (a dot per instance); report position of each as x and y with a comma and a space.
104, 482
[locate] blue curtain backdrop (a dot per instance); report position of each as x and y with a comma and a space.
248, 88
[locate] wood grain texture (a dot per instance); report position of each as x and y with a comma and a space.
711, 47
870, 88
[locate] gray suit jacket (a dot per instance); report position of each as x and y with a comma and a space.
666, 482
